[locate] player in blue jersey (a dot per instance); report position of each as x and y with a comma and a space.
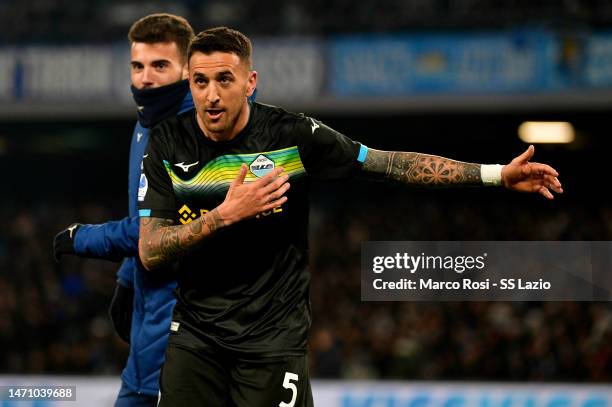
141, 307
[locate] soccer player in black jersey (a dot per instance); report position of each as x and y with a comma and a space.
226, 195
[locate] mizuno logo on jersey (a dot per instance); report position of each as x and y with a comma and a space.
185, 167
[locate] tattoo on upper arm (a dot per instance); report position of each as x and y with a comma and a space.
421, 169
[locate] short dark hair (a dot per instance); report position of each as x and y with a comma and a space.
163, 27
222, 39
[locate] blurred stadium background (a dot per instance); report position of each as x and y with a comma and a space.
450, 77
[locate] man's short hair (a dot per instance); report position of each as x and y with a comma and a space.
163, 27
222, 39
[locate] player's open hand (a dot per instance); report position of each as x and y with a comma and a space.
524, 176
244, 201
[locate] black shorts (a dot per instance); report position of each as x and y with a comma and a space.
214, 378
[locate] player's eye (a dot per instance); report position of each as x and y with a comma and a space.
136, 67
160, 65
199, 80
225, 79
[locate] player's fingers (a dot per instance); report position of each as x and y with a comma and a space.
526, 156
546, 169
276, 184
546, 193
550, 170
274, 204
542, 190
274, 195
536, 171
269, 177
553, 183
239, 180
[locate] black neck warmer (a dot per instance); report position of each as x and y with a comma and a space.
157, 104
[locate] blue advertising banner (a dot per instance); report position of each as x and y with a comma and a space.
441, 63
356, 68
597, 55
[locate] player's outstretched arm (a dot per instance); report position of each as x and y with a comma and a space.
161, 242
430, 170
112, 240
420, 169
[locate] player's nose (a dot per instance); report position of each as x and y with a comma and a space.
147, 78
212, 96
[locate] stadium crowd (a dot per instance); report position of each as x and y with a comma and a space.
54, 318
69, 21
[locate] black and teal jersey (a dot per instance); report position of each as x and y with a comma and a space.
246, 288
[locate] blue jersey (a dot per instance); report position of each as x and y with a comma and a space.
153, 294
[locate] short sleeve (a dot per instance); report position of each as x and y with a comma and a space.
326, 153
155, 193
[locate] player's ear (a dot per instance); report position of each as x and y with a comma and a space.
251, 83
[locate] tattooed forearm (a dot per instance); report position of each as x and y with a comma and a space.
161, 242
215, 221
420, 169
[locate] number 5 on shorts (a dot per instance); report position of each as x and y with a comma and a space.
288, 385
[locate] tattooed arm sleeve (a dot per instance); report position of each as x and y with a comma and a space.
161, 242
420, 169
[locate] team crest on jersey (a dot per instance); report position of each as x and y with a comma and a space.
261, 166
142, 187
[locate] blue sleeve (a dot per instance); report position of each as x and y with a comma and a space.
110, 241
125, 275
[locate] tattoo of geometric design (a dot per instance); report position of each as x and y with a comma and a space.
421, 169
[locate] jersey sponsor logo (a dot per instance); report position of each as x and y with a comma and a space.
142, 187
186, 215
314, 125
278, 209
261, 166
185, 167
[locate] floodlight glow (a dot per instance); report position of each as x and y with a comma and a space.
546, 132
